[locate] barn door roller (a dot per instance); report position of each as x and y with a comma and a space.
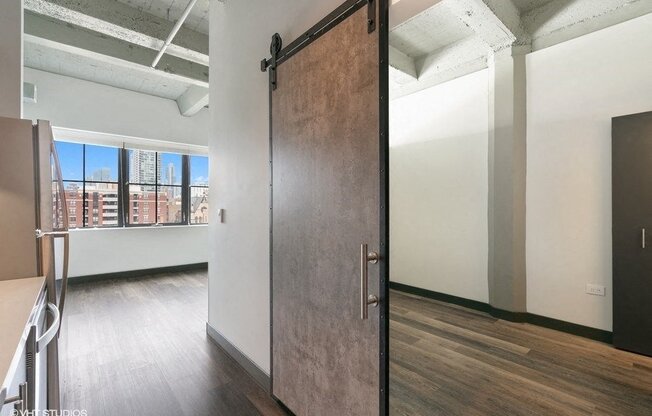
274, 49
280, 54
371, 15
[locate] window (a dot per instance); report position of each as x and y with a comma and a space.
142, 186
155, 187
113, 187
198, 190
90, 178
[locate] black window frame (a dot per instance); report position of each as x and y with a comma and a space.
123, 184
156, 185
190, 187
85, 213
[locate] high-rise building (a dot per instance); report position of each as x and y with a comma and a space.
142, 166
171, 178
101, 175
99, 207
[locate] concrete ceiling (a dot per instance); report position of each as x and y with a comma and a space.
80, 66
428, 31
433, 41
115, 42
171, 9
527, 5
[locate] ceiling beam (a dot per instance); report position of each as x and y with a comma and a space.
29, 93
193, 100
450, 62
497, 26
561, 20
403, 66
55, 34
126, 23
496, 22
452, 56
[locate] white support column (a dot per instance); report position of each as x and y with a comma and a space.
507, 170
11, 59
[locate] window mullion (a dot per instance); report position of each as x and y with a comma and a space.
185, 190
126, 187
84, 222
156, 181
119, 190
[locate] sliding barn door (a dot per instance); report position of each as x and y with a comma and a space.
329, 217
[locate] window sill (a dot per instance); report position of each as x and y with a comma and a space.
135, 227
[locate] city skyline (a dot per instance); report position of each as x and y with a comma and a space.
145, 206
71, 156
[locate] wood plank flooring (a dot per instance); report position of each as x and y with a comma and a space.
138, 346
448, 360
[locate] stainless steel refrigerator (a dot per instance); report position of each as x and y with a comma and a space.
34, 216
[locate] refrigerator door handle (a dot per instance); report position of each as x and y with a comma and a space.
65, 235
63, 232
55, 234
45, 339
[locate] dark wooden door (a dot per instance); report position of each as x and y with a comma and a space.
632, 232
328, 192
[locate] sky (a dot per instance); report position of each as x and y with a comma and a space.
198, 170
98, 157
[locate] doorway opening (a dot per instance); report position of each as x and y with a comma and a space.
509, 290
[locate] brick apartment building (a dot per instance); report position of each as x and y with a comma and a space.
102, 206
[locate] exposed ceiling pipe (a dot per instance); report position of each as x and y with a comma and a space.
174, 31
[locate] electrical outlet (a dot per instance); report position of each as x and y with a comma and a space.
595, 289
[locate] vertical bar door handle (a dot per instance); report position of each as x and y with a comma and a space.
642, 237
366, 299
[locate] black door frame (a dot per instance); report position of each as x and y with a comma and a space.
280, 54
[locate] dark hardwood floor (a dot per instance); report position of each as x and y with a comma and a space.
138, 346
448, 360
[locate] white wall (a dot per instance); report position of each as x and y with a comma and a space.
239, 248
438, 188
83, 105
438, 177
72, 103
116, 250
574, 89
